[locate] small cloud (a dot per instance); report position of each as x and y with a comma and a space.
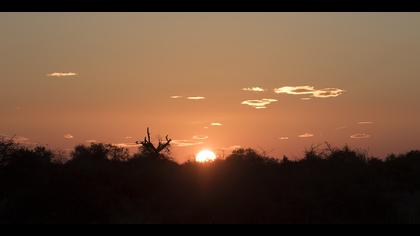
22, 140
365, 123
126, 145
306, 99
205, 127
216, 124
196, 98
284, 138
328, 93
360, 136
296, 90
259, 104
306, 135
189, 98
91, 141
231, 148
235, 147
254, 89
341, 127
68, 136
62, 74
200, 137
17, 139
128, 137
186, 143
310, 90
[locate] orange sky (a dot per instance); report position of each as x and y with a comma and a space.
71, 78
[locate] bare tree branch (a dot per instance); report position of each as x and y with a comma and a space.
148, 146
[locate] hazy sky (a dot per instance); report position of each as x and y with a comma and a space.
71, 78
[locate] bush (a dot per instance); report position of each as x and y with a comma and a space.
103, 183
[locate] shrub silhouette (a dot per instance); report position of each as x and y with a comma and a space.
99, 151
103, 183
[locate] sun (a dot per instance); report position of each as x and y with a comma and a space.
205, 156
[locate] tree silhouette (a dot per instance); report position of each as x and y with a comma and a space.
103, 183
100, 151
149, 148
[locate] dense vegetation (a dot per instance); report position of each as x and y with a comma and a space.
105, 184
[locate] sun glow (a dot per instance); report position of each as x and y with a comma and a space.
205, 156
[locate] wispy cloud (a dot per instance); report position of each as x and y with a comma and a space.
126, 145
254, 89
216, 124
231, 148
310, 90
186, 143
200, 137
196, 98
205, 127
328, 93
91, 141
306, 99
17, 139
188, 98
341, 127
68, 136
21, 139
62, 74
360, 136
284, 138
306, 135
259, 104
365, 123
296, 90
128, 137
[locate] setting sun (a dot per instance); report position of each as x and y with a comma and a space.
205, 156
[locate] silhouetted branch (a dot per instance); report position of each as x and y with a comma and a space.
148, 146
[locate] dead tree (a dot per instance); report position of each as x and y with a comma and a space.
149, 148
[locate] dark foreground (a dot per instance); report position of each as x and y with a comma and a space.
104, 184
